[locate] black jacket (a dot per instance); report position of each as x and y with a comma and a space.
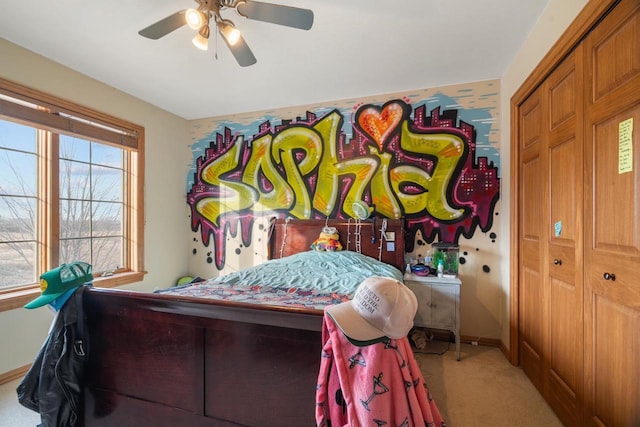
53, 385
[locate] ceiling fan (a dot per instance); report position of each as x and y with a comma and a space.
200, 18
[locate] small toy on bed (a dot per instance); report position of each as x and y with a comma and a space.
329, 240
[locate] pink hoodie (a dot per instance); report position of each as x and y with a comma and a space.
373, 385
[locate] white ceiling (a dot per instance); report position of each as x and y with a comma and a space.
355, 48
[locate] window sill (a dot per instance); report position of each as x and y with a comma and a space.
17, 299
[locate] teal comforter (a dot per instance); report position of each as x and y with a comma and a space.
339, 272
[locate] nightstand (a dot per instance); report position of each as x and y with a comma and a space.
438, 303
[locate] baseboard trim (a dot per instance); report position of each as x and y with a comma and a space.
506, 352
445, 335
491, 342
14, 374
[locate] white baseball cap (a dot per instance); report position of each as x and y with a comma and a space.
381, 307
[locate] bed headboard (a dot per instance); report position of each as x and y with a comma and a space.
290, 236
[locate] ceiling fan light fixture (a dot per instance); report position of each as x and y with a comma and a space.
229, 31
194, 18
199, 18
201, 40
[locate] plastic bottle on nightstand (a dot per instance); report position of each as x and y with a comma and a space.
428, 259
440, 268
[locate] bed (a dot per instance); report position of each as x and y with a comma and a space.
171, 360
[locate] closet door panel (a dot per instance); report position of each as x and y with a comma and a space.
565, 158
614, 376
531, 326
616, 226
531, 281
614, 54
613, 287
564, 226
612, 210
532, 297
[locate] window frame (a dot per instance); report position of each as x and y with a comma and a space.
58, 116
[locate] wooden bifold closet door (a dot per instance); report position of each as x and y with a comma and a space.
551, 286
578, 227
612, 219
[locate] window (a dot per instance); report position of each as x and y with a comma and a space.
91, 210
71, 183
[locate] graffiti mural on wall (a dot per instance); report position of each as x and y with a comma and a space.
403, 162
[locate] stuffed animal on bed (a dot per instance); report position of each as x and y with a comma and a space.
329, 240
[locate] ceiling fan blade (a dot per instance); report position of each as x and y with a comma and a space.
164, 26
276, 14
241, 52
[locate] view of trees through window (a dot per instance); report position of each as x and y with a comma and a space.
18, 204
88, 202
91, 204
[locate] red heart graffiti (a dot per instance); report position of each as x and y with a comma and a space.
380, 124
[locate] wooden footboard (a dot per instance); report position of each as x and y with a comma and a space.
161, 360
165, 361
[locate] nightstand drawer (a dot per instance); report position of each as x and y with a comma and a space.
436, 305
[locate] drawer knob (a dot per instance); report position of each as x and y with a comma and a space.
609, 276
557, 261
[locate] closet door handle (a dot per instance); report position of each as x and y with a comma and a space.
609, 276
557, 261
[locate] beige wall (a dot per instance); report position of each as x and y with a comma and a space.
167, 158
557, 16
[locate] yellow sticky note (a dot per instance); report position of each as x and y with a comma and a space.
625, 146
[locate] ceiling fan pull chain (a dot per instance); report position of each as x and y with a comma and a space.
215, 54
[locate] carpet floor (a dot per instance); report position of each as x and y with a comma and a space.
482, 389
